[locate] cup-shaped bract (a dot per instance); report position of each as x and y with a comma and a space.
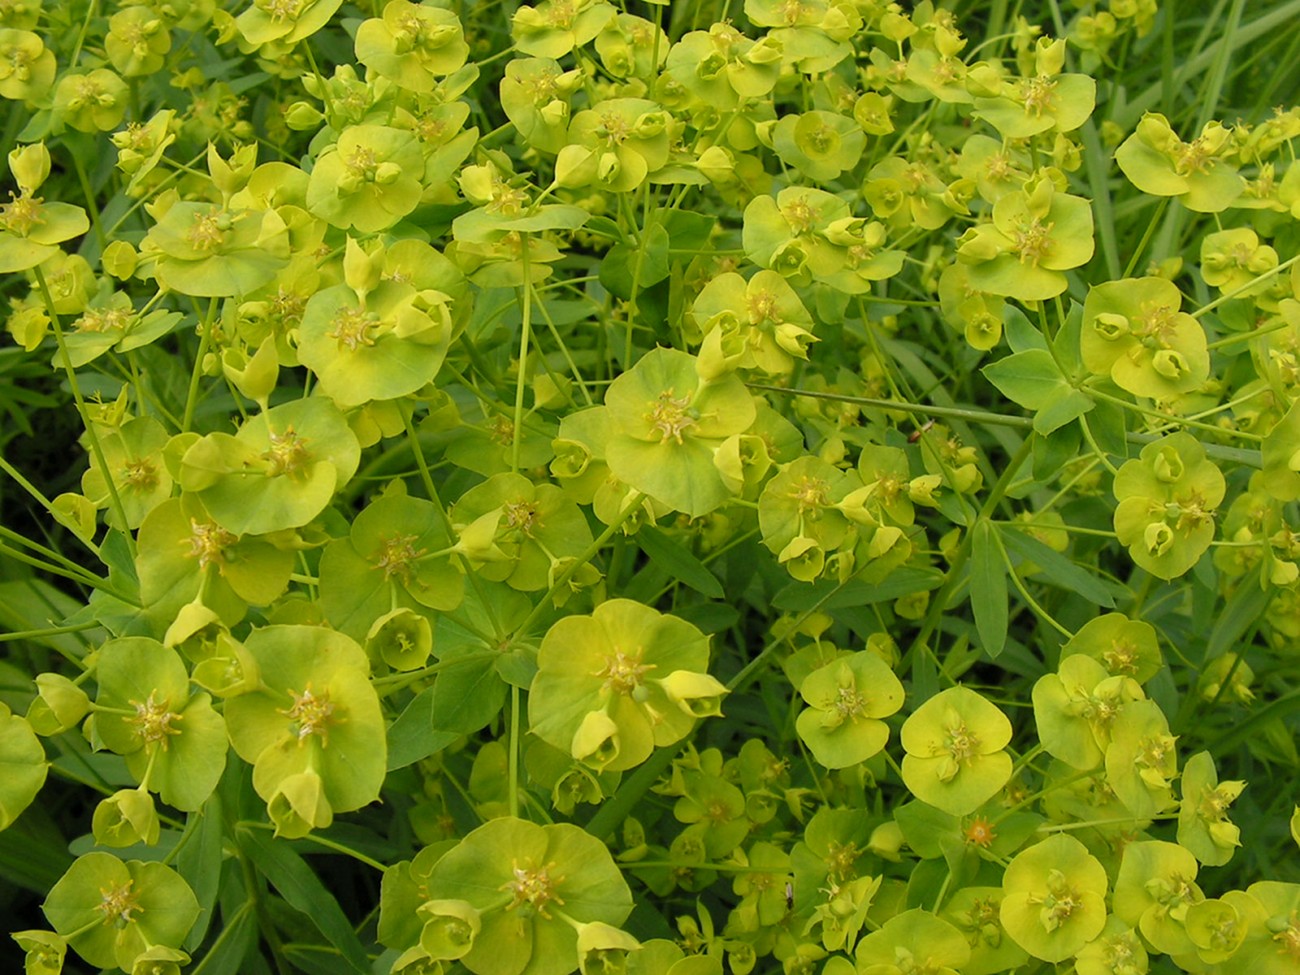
280, 469
668, 424
111, 912
397, 555
1075, 707
1125, 647
518, 878
914, 941
846, 700
1055, 898
1167, 499
412, 45
613, 686
1158, 162
1155, 886
172, 740
315, 712
1203, 824
955, 745
23, 759
1135, 332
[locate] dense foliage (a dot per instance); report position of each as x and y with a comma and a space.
792, 485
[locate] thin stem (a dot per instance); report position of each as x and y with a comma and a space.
96, 447
521, 379
205, 340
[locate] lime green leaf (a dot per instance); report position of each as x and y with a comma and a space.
1030, 378
22, 765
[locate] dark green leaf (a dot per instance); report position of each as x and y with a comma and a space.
800, 596
1108, 428
199, 862
988, 588
1054, 451
467, 695
238, 937
1058, 569
298, 884
679, 562
1243, 610
411, 737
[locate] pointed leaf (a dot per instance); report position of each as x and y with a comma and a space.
988, 588
1058, 569
682, 565
298, 884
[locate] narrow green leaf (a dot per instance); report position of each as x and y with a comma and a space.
988, 588
1058, 569
199, 862
1242, 611
467, 695
679, 562
1107, 424
238, 937
828, 594
33, 853
298, 884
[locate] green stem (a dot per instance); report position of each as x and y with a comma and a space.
96, 448
542, 606
14, 635
322, 841
939, 602
512, 757
205, 340
521, 379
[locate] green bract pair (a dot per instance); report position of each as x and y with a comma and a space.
613, 686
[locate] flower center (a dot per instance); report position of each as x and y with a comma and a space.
153, 721
841, 858
963, 744
810, 493
670, 417
140, 475
208, 543
117, 904
396, 555
208, 231
287, 453
1032, 241
622, 672
1060, 902
352, 328
282, 10
1121, 658
21, 214
1288, 939
533, 886
310, 715
522, 516
849, 703
1037, 94
980, 832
